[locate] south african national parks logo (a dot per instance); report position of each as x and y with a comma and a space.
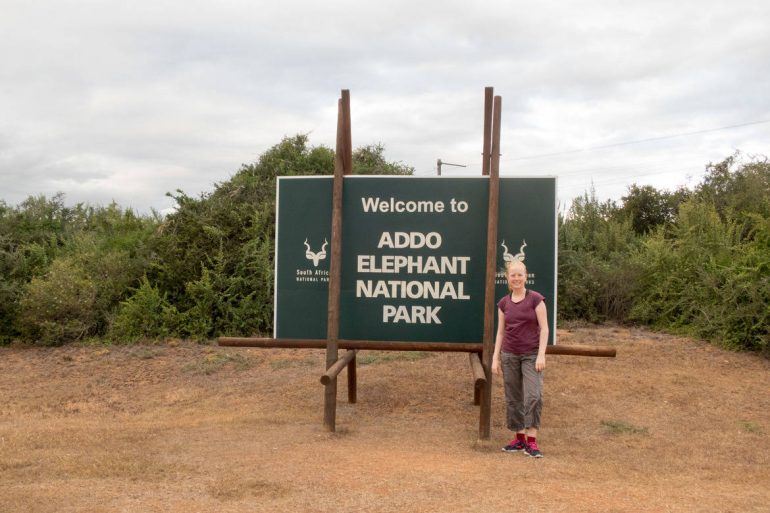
316, 257
518, 256
314, 274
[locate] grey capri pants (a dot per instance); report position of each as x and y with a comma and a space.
523, 390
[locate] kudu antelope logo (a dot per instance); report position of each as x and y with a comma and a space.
518, 257
316, 257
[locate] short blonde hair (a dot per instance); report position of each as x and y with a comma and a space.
510, 265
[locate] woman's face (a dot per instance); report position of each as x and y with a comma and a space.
517, 276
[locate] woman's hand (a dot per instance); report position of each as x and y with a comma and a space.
496, 366
540, 363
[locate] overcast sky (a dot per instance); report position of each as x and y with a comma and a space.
128, 100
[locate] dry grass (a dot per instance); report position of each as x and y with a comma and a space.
371, 357
669, 425
216, 361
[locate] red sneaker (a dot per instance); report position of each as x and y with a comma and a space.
533, 451
515, 446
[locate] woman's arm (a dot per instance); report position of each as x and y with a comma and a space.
498, 342
542, 321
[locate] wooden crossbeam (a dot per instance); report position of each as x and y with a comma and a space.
453, 347
334, 370
479, 378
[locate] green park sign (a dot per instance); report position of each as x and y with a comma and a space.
413, 254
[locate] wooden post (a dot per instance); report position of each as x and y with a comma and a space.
479, 378
487, 149
352, 381
348, 170
485, 414
347, 154
342, 164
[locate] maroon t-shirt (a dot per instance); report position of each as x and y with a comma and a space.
522, 332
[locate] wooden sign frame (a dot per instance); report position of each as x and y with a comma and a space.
480, 354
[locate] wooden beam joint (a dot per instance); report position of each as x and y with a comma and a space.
337, 367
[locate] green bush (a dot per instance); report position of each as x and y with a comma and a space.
60, 306
597, 279
199, 321
147, 314
692, 262
113, 270
706, 280
108, 246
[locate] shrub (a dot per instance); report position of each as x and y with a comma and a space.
58, 307
147, 314
707, 280
106, 244
597, 279
198, 321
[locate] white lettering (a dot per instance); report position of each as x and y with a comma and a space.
381, 289
433, 240
400, 206
433, 315
364, 288
414, 240
412, 264
398, 289
370, 204
364, 263
414, 314
402, 314
385, 240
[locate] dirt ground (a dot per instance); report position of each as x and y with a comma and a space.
671, 424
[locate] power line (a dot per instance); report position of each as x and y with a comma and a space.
638, 141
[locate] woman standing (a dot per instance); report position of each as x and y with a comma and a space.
522, 336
